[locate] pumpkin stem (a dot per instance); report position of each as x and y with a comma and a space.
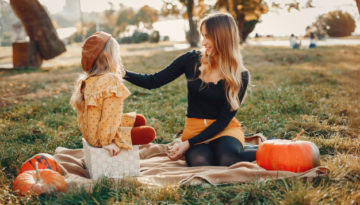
298, 135
37, 172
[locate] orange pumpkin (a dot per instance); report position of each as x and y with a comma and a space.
38, 182
46, 161
288, 155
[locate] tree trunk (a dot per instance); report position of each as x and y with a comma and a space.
39, 27
358, 5
240, 20
25, 54
193, 36
249, 26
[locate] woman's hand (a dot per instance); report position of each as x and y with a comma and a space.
179, 150
112, 149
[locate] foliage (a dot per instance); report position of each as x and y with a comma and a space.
126, 40
154, 37
339, 23
117, 21
124, 17
170, 7
333, 24
146, 15
290, 89
244, 11
247, 13
139, 37
297, 5
318, 28
77, 37
174, 7
250, 10
127, 16
195, 10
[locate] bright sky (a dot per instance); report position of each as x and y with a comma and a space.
281, 22
96, 5
278, 22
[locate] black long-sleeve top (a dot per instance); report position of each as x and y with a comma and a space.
204, 102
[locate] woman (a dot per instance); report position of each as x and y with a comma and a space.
217, 83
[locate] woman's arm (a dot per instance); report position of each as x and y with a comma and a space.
219, 125
178, 151
222, 121
170, 73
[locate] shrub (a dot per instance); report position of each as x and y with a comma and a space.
339, 24
154, 37
137, 37
333, 24
125, 40
6, 39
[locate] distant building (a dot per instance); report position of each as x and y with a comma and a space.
69, 15
71, 9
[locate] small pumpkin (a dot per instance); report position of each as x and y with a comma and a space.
45, 161
288, 155
38, 182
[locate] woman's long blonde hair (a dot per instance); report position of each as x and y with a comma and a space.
222, 30
108, 61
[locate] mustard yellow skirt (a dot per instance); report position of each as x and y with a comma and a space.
194, 126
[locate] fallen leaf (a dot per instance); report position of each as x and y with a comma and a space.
40, 124
59, 128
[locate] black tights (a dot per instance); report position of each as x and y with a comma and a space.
223, 151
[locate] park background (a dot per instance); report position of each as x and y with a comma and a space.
292, 89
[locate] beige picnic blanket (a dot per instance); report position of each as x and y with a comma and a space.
156, 169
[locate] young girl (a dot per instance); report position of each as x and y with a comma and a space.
216, 82
99, 95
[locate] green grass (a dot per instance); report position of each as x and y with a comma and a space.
310, 89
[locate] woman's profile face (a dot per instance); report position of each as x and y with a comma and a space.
206, 42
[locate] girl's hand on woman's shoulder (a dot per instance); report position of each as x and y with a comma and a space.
122, 72
179, 150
